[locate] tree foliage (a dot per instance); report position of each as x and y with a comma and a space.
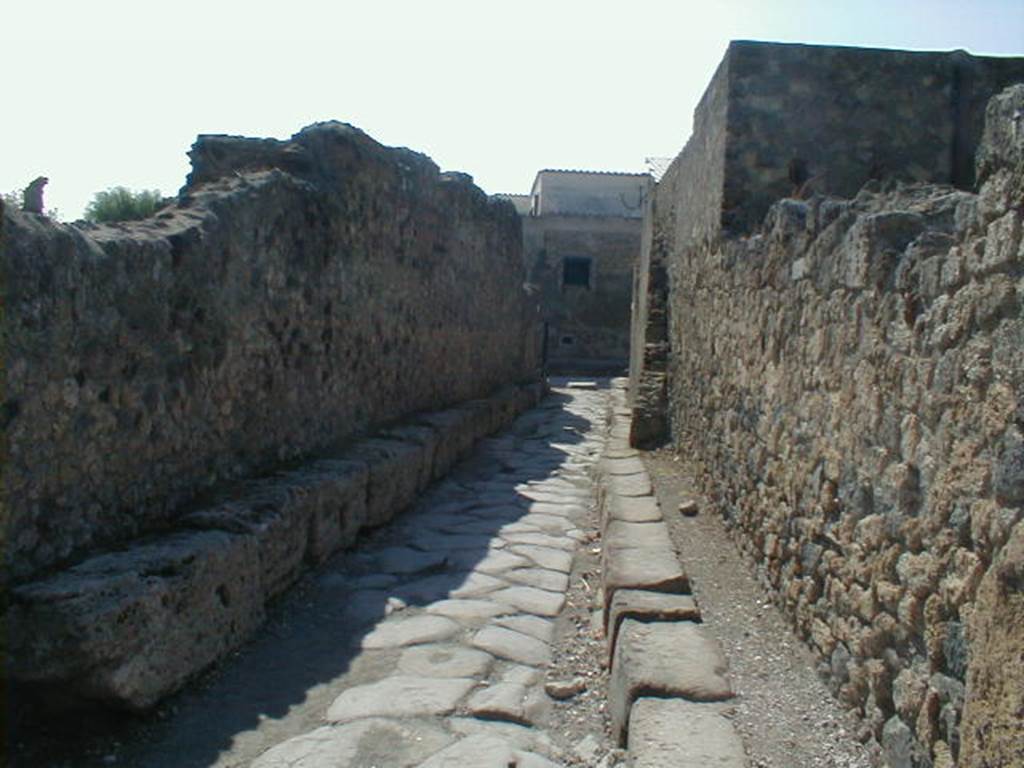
122, 204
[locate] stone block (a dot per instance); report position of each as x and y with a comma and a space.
666, 660
630, 509
424, 436
454, 437
671, 733
656, 570
647, 606
395, 469
630, 485
622, 466
131, 627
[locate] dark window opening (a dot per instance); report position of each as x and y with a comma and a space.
568, 341
576, 271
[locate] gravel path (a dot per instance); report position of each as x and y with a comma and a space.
783, 710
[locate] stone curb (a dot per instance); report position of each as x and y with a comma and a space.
130, 627
666, 672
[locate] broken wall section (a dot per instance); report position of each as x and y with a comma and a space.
297, 294
850, 381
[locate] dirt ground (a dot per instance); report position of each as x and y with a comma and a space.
783, 710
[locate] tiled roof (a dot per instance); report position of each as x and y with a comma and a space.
589, 173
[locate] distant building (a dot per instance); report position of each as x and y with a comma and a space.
581, 241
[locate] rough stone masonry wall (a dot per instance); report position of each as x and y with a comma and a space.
850, 380
296, 294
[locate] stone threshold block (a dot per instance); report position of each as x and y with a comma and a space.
647, 607
664, 660
130, 627
671, 733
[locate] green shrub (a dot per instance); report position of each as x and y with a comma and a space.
121, 204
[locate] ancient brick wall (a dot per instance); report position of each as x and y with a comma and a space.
849, 379
588, 325
297, 294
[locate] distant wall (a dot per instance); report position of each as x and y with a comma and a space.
590, 193
594, 317
297, 294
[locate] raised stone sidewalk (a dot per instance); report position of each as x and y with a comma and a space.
454, 607
668, 674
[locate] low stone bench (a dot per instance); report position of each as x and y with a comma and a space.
130, 627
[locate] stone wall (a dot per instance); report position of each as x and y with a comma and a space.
297, 294
587, 326
849, 379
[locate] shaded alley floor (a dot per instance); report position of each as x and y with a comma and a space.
429, 643
461, 635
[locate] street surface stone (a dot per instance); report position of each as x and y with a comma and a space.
514, 646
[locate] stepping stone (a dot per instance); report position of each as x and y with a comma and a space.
468, 610
512, 645
539, 602
546, 557
621, 453
630, 485
549, 497
444, 661
485, 751
489, 562
400, 696
541, 539
666, 660
371, 741
647, 606
404, 560
541, 578
534, 626
399, 632
631, 509
656, 570
671, 733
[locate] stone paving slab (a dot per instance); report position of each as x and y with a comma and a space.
539, 602
541, 578
546, 557
444, 661
485, 751
667, 660
372, 741
534, 626
400, 696
647, 606
512, 645
671, 733
401, 631
468, 610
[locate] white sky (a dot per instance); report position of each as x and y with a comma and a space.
98, 93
